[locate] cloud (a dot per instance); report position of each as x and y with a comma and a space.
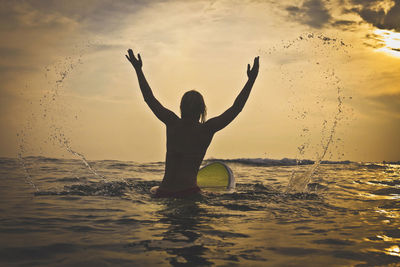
345, 24
16, 15
94, 16
312, 13
381, 14
388, 104
16, 69
107, 47
374, 41
10, 52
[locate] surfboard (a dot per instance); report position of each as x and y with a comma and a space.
216, 176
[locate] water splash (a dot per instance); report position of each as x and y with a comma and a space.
27, 177
308, 62
85, 161
53, 112
21, 151
299, 181
67, 145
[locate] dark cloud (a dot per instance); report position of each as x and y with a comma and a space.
345, 24
10, 52
32, 30
312, 13
107, 47
371, 11
15, 68
94, 16
376, 12
373, 40
388, 103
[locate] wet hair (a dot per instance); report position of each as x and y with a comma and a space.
193, 106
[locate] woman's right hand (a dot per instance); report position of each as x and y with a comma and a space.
136, 63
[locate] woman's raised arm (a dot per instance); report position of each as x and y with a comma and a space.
221, 121
162, 113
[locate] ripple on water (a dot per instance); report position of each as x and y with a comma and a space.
258, 224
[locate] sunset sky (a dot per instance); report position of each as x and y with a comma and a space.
64, 76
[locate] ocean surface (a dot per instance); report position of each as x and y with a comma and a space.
58, 212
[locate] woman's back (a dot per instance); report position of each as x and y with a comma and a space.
187, 143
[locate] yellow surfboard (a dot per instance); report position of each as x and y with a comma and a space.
216, 176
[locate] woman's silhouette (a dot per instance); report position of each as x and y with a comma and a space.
188, 137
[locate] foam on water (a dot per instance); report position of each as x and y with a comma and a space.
276, 162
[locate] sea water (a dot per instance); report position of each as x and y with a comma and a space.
349, 215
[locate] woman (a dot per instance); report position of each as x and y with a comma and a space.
189, 136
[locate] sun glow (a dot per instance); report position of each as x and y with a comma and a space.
390, 41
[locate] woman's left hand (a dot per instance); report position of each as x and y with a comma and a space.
136, 63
